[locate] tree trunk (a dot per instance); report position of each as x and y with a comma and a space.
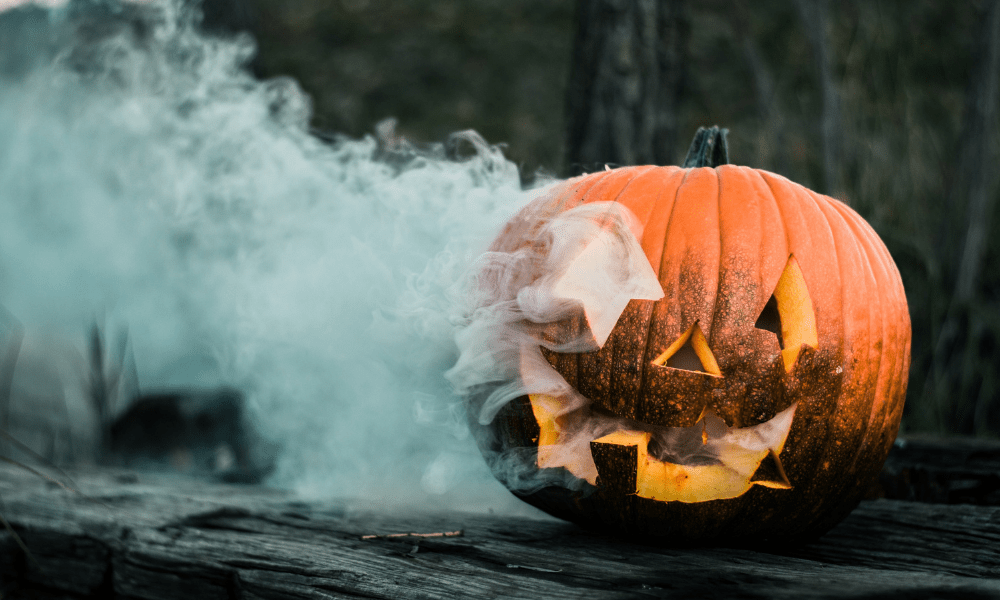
975, 188
771, 140
977, 156
814, 14
625, 83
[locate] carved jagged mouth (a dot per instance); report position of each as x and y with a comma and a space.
707, 461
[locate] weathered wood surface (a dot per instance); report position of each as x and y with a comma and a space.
156, 537
949, 471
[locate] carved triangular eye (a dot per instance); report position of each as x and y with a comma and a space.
770, 320
789, 314
690, 352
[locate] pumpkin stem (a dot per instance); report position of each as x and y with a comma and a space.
708, 149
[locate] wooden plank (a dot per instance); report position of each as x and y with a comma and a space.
948, 471
160, 537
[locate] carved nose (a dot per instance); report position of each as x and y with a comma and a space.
690, 352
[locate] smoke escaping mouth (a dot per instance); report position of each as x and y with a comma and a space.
148, 181
706, 461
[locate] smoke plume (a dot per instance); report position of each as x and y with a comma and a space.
148, 181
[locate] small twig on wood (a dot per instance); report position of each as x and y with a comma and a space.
457, 533
539, 569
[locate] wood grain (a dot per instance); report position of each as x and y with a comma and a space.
161, 537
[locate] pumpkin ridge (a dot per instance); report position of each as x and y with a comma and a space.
738, 511
794, 190
639, 316
748, 253
883, 395
889, 385
688, 288
661, 197
774, 196
606, 180
602, 362
867, 407
902, 314
811, 215
718, 268
767, 286
670, 221
626, 368
621, 392
645, 170
788, 199
886, 381
704, 309
819, 483
657, 307
575, 194
669, 176
575, 357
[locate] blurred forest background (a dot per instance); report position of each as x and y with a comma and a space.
889, 105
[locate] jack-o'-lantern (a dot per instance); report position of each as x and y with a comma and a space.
709, 354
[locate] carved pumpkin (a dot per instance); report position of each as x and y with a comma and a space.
748, 387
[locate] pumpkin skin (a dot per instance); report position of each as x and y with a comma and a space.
723, 241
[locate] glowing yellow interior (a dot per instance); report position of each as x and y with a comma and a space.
798, 319
669, 482
665, 481
545, 408
700, 346
550, 453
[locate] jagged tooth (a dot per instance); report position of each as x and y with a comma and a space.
771, 473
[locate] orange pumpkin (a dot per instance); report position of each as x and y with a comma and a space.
754, 395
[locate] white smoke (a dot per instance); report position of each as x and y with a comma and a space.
148, 181
584, 263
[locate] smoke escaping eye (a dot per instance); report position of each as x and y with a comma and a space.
789, 314
690, 352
